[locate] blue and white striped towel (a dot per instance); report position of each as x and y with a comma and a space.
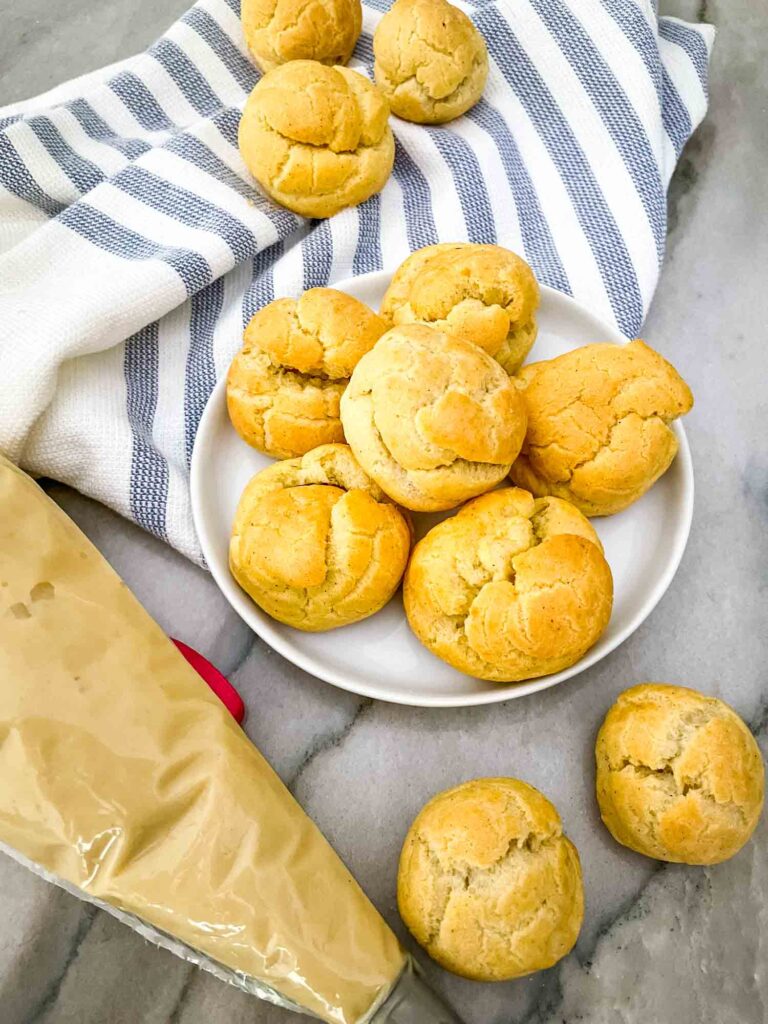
126, 213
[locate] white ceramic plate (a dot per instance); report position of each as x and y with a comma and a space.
380, 657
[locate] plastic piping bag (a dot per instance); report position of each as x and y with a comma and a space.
124, 779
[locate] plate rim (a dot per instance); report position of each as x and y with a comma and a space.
266, 629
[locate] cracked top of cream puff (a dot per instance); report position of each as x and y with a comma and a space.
432, 418
679, 775
485, 293
599, 425
278, 31
430, 60
315, 542
284, 386
317, 138
510, 588
488, 884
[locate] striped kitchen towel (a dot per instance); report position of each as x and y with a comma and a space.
134, 246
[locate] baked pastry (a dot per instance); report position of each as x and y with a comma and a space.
317, 139
281, 30
598, 425
430, 60
432, 418
510, 587
315, 543
679, 775
284, 385
488, 884
481, 292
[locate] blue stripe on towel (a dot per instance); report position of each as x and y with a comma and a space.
142, 103
693, 45
83, 173
107, 234
200, 376
187, 207
317, 255
368, 255
97, 128
214, 35
187, 77
364, 51
227, 121
417, 199
470, 185
680, 126
149, 469
261, 290
18, 180
190, 148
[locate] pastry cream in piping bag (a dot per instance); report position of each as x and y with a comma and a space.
123, 775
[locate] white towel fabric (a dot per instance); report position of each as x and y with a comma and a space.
127, 213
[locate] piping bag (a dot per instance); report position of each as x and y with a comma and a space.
125, 780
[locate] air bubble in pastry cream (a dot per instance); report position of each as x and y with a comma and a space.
432, 418
599, 420
316, 544
42, 591
430, 60
488, 884
316, 138
510, 588
278, 31
679, 775
484, 293
285, 384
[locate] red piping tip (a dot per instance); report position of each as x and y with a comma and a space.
220, 685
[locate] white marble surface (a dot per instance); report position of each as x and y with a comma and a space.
660, 944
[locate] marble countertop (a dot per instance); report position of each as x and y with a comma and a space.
660, 943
